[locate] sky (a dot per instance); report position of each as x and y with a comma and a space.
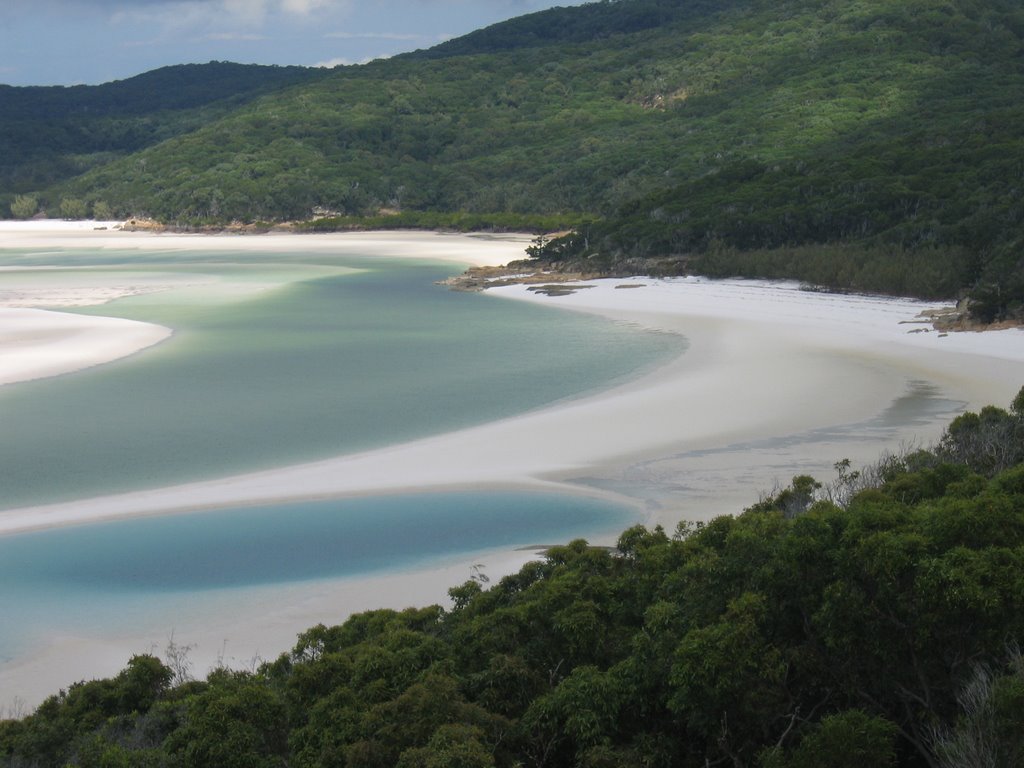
71, 42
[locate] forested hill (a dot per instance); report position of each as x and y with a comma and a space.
861, 144
876, 622
570, 25
48, 134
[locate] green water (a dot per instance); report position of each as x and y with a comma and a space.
284, 358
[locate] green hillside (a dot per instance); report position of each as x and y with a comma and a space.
873, 623
506, 131
48, 134
861, 144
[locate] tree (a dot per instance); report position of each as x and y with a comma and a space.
452, 746
236, 722
849, 739
73, 208
101, 211
990, 729
24, 206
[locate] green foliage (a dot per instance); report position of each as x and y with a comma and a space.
989, 441
81, 717
101, 211
451, 746
850, 739
563, 26
794, 500
235, 721
24, 207
433, 220
866, 145
990, 728
73, 208
880, 627
49, 134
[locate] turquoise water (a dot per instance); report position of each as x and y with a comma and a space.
279, 359
343, 355
292, 542
132, 573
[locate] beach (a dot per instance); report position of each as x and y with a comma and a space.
776, 381
473, 250
35, 343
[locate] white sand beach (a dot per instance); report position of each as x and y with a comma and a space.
765, 361
35, 343
776, 382
477, 250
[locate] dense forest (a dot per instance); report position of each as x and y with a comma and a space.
858, 144
875, 620
49, 134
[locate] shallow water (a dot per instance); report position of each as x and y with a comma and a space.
276, 360
132, 575
276, 363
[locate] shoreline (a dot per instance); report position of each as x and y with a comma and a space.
772, 377
38, 341
822, 360
223, 630
544, 449
437, 246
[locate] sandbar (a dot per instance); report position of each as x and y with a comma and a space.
776, 381
474, 249
765, 361
36, 343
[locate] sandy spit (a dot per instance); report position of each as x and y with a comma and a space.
765, 360
771, 376
473, 250
35, 343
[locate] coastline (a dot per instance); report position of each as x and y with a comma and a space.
478, 250
765, 360
37, 342
227, 631
771, 377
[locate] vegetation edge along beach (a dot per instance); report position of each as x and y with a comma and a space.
868, 146
873, 619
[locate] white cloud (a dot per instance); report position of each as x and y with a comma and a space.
236, 36
373, 36
304, 7
332, 63
343, 62
192, 13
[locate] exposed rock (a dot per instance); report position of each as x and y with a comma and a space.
526, 272
143, 225
959, 318
559, 289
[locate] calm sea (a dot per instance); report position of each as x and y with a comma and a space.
151, 574
315, 367
278, 359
